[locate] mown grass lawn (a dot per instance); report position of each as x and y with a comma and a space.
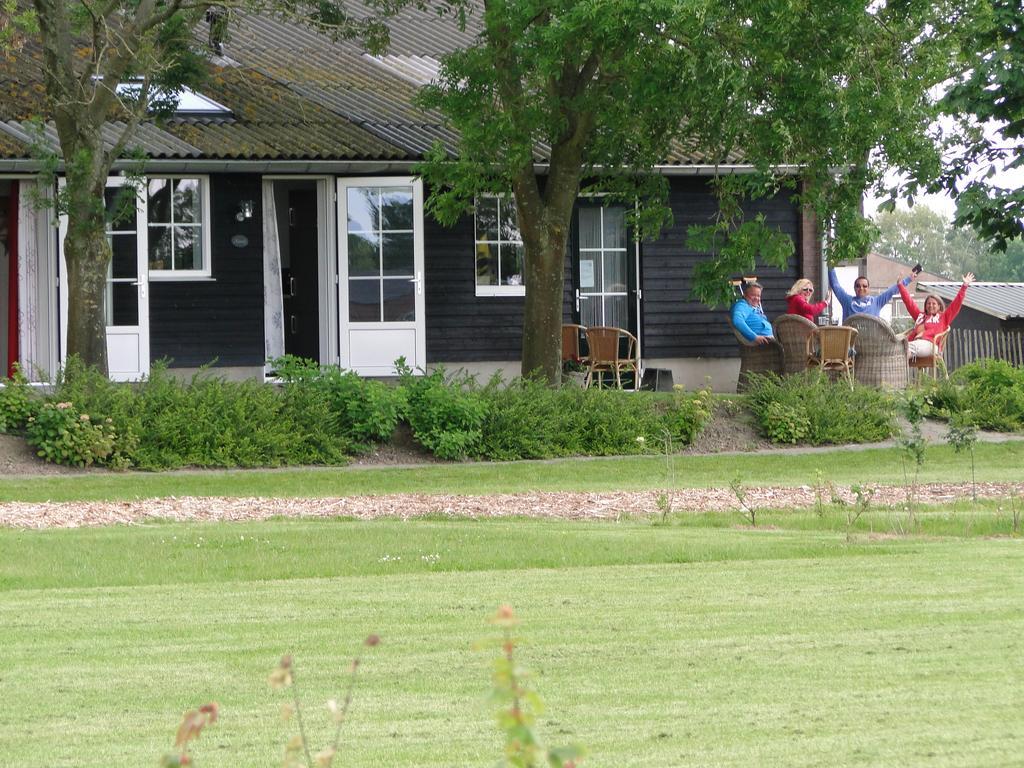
663, 645
995, 462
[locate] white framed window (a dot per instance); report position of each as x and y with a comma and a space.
498, 247
178, 227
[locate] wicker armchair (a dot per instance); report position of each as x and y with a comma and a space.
572, 346
613, 351
934, 362
881, 355
835, 350
756, 358
794, 334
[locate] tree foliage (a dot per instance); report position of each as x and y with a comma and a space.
985, 105
598, 92
923, 236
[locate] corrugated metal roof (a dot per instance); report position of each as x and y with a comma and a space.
1002, 300
294, 94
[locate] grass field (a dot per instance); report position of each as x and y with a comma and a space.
995, 462
656, 645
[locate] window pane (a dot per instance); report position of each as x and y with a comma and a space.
590, 273
120, 204
590, 310
159, 211
616, 311
486, 264
124, 301
187, 202
364, 301
363, 254
614, 227
159, 247
590, 227
125, 258
509, 220
487, 218
362, 209
188, 248
396, 208
398, 254
511, 264
399, 300
614, 271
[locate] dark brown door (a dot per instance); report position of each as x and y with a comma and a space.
299, 275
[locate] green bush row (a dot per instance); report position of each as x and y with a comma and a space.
810, 408
986, 393
322, 415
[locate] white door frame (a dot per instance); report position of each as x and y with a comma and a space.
127, 345
327, 268
364, 346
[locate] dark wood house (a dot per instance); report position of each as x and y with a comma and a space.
282, 214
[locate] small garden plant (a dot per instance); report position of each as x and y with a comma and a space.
518, 709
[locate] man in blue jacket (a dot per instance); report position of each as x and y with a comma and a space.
748, 318
860, 301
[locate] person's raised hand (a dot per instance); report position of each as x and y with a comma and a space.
968, 278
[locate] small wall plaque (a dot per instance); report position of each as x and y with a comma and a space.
239, 241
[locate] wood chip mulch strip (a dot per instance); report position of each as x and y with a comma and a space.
571, 506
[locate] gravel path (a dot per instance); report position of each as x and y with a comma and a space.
598, 506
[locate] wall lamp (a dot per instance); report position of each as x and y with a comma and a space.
245, 208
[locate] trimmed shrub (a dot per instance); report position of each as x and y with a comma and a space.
528, 420
362, 410
161, 423
63, 435
989, 393
17, 402
810, 408
446, 415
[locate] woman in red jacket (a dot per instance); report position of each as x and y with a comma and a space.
935, 319
797, 300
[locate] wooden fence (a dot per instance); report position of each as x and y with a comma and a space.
966, 345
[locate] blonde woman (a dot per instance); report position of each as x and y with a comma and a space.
798, 300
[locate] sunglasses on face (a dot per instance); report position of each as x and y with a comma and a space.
807, 290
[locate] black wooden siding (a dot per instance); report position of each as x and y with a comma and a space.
674, 324
464, 327
195, 322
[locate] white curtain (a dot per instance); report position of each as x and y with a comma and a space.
273, 300
33, 359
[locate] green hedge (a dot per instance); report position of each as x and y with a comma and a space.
811, 409
987, 393
322, 415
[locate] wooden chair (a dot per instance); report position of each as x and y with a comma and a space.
935, 361
612, 351
881, 355
835, 349
796, 335
572, 335
756, 358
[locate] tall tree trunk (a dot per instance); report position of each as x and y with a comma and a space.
87, 255
542, 317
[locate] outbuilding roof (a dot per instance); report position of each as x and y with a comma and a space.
1002, 300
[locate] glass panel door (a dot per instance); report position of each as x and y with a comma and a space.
382, 274
605, 277
122, 305
127, 296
